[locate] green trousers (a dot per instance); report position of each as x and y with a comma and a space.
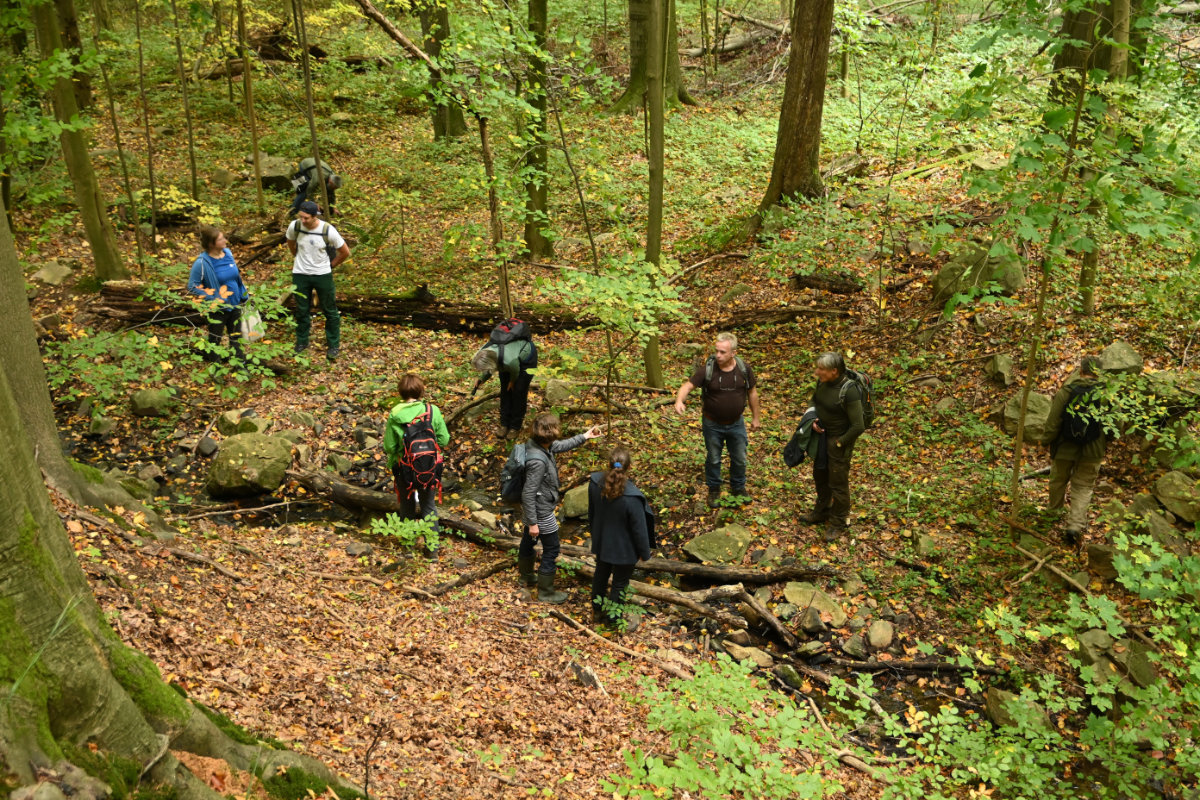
1080, 477
303, 287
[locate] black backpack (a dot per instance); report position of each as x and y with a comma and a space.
866, 390
1079, 423
514, 330
420, 464
323, 232
710, 367
512, 476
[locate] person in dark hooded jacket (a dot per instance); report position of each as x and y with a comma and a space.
622, 531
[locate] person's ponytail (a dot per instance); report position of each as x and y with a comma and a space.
616, 474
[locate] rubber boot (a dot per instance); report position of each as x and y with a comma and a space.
546, 590
525, 574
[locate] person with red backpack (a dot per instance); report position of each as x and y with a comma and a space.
413, 440
511, 353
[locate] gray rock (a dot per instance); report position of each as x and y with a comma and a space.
762, 594
926, 546
1143, 504
228, 421
803, 595
207, 446
249, 464
371, 443
177, 462
1003, 709
557, 392
1166, 535
339, 463
1133, 657
222, 177
788, 674
276, 171
944, 404
1036, 416
786, 611
359, 549
972, 267
151, 402
292, 435
855, 624
253, 424
759, 657
931, 382
1094, 647
52, 273
813, 648
736, 291
810, 621
1121, 357
41, 791
1100, 561
472, 505
302, 418
303, 452
880, 634
341, 116
101, 426
50, 322
691, 350
725, 545
855, 646
150, 473
575, 502
1000, 369
853, 585
485, 518
739, 637
1180, 495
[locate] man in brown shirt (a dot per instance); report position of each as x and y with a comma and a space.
727, 384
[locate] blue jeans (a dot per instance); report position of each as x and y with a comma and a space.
734, 438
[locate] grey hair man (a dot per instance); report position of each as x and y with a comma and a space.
728, 385
838, 425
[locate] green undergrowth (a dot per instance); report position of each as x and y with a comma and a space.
296, 784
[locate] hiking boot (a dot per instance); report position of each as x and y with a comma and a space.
525, 574
502, 431
814, 517
834, 531
546, 591
332, 353
511, 433
300, 348
1072, 536
714, 497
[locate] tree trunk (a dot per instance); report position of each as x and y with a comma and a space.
655, 89
137, 21
92, 208
674, 91
314, 149
187, 103
68, 28
537, 246
795, 171
448, 121
495, 224
251, 118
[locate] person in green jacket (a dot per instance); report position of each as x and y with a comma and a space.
1076, 464
415, 503
838, 425
307, 181
513, 363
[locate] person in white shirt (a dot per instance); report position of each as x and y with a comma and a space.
318, 248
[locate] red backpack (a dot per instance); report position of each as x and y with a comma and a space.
420, 465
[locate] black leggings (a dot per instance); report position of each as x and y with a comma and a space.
227, 320
621, 573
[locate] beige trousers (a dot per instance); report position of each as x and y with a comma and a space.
1081, 477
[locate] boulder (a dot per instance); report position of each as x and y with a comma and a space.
855, 646
759, 657
736, 291
557, 392
52, 273
1036, 416
575, 502
1100, 561
207, 446
1166, 534
359, 549
880, 634
252, 424
228, 421
973, 267
1180, 495
926, 546
1133, 658
339, 463
302, 418
276, 171
1121, 357
690, 350
811, 622
101, 426
810, 649
803, 595
485, 518
1005, 708
293, 435
222, 177
1000, 369
1143, 504
788, 674
249, 464
151, 402
725, 545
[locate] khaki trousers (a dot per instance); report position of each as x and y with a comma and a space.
1081, 477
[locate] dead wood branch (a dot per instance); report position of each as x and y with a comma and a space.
828, 281
693, 601
771, 620
845, 755
188, 555
912, 666
776, 316
452, 417
670, 669
474, 575
730, 45
330, 576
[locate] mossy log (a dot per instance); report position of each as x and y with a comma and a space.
827, 281
776, 316
122, 300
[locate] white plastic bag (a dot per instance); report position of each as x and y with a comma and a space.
253, 327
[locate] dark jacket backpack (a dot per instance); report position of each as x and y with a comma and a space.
512, 476
420, 465
866, 390
1079, 423
514, 330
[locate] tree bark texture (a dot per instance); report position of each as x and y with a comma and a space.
448, 122
92, 208
795, 171
68, 27
537, 220
68, 680
674, 91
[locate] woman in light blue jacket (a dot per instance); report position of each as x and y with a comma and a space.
215, 279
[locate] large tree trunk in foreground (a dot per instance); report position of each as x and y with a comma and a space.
448, 122
67, 682
795, 171
92, 208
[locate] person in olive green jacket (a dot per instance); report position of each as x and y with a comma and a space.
1075, 463
838, 425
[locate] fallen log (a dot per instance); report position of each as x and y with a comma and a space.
331, 486
828, 281
777, 316
124, 300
